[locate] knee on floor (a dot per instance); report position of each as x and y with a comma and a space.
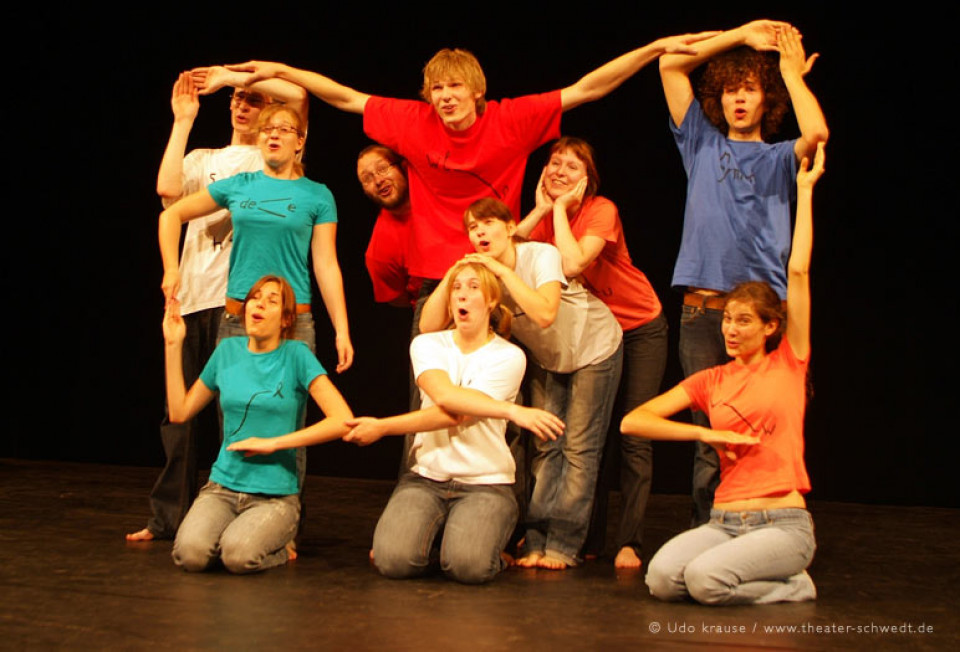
471, 567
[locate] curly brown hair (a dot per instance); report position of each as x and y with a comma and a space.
732, 68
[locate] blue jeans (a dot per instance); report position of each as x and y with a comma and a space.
565, 470
232, 326
702, 347
476, 520
755, 557
176, 485
247, 532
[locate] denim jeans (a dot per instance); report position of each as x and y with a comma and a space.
232, 326
565, 470
176, 485
702, 347
476, 521
754, 557
247, 532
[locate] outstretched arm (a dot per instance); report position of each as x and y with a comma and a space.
210, 79
651, 420
609, 76
181, 404
326, 268
185, 104
333, 426
367, 430
675, 69
335, 94
798, 267
794, 64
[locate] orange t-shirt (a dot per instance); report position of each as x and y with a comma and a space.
767, 400
611, 276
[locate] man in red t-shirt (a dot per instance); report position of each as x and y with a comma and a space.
383, 175
459, 146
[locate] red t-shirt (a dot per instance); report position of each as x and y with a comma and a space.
611, 276
386, 259
767, 400
449, 170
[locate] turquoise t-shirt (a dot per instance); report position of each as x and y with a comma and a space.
273, 222
261, 395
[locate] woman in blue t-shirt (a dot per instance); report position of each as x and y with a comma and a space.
279, 219
247, 513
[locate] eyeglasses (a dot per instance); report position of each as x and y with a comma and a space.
380, 171
255, 100
282, 129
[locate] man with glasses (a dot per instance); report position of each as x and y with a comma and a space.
204, 262
383, 175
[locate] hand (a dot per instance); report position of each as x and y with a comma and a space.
761, 35
170, 286
681, 44
210, 79
570, 200
254, 446
491, 263
184, 100
174, 328
793, 60
364, 430
543, 424
344, 353
722, 439
543, 201
807, 177
258, 70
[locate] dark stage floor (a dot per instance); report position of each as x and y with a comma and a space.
69, 580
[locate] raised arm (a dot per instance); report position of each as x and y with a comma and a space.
798, 267
651, 420
326, 268
190, 207
575, 254
794, 65
540, 304
185, 104
333, 426
606, 78
181, 404
335, 94
210, 79
675, 69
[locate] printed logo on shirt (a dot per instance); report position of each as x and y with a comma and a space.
760, 429
736, 173
440, 162
270, 206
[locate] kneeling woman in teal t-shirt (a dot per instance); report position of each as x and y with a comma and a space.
248, 512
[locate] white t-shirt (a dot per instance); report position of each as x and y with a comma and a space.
584, 332
475, 451
205, 260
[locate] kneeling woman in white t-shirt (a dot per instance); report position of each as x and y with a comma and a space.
460, 470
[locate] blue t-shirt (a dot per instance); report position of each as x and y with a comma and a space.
261, 395
273, 222
736, 223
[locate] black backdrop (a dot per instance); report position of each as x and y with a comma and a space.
88, 111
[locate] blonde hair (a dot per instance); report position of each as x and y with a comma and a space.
455, 64
272, 109
500, 316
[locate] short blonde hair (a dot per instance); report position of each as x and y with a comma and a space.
455, 64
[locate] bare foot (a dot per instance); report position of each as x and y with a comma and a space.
530, 561
291, 550
371, 555
142, 535
627, 558
551, 563
507, 558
